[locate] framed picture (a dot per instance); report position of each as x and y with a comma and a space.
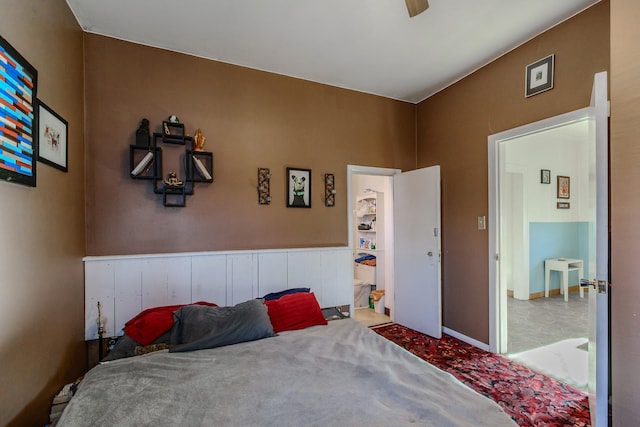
563, 205
52, 138
564, 189
298, 188
539, 76
545, 176
18, 85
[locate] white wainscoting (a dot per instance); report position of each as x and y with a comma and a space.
126, 285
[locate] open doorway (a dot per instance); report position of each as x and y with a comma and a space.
370, 213
535, 222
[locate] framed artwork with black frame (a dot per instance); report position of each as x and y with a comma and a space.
298, 188
545, 176
564, 187
18, 114
52, 138
539, 76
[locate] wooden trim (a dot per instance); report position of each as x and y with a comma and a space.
552, 292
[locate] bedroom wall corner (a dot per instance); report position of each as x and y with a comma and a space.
453, 127
43, 228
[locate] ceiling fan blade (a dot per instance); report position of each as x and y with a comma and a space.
416, 7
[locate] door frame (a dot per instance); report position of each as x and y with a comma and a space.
498, 295
376, 171
523, 287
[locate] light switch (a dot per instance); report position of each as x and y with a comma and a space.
482, 222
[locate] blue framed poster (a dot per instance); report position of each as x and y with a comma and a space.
18, 138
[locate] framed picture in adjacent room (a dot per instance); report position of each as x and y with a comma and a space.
539, 76
298, 188
52, 138
564, 187
545, 176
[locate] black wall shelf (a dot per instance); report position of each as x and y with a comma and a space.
146, 163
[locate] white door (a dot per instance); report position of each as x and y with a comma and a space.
417, 250
599, 260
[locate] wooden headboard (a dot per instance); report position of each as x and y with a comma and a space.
126, 285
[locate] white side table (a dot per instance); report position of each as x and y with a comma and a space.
564, 266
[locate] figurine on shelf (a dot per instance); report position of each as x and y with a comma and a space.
198, 141
173, 119
172, 180
143, 137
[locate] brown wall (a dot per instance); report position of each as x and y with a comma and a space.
255, 119
251, 119
453, 127
42, 234
625, 211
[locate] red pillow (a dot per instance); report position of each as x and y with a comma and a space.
151, 323
295, 311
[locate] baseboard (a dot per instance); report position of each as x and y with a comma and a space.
553, 292
466, 339
537, 295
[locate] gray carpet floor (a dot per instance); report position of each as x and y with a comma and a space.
542, 321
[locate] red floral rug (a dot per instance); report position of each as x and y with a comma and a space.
530, 398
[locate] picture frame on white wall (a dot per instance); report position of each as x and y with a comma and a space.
545, 176
564, 187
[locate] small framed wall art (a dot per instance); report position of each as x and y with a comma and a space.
545, 176
563, 205
329, 190
564, 187
539, 76
52, 138
298, 188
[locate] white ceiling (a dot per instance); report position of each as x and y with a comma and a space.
369, 46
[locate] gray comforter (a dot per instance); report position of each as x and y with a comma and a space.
340, 374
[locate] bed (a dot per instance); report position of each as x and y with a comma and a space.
317, 373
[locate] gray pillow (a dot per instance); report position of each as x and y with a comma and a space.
197, 326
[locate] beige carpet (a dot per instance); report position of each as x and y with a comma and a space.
368, 317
